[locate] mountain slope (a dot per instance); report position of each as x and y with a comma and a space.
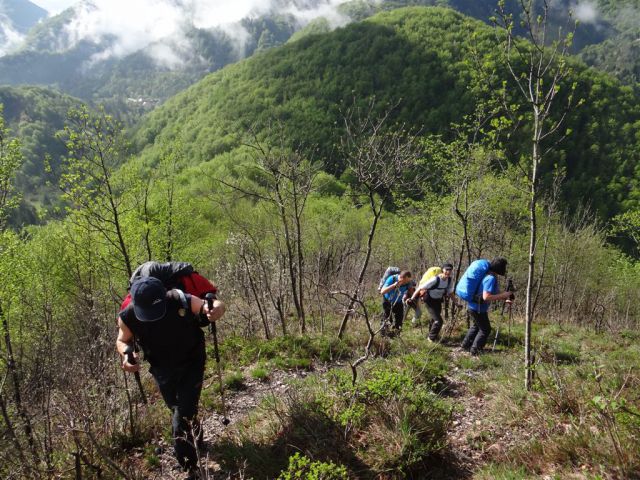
22, 13
34, 115
418, 57
17, 17
79, 54
110, 64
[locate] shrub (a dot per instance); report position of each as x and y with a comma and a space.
260, 373
235, 381
301, 468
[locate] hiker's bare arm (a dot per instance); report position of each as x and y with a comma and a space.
490, 297
125, 338
393, 286
198, 304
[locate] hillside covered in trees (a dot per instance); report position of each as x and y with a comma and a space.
424, 63
293, 179
36, 115
87, 66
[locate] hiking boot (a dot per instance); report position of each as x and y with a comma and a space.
193, 474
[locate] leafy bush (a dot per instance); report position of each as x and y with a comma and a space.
301, 468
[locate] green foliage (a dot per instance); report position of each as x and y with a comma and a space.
260, 373
284, 352
305, 85
10, 161
35, 115
302, 468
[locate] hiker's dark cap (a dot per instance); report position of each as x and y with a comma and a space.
498, 265
149, 298
447, 266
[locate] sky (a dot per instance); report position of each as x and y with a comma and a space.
54, 6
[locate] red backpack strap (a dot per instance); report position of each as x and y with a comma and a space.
125, 303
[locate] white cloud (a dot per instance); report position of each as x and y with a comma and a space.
10, 38
586, 12
54, 6
131, 25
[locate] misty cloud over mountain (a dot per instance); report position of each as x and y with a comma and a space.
17, 17
122, 27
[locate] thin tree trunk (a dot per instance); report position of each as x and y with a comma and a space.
17, 398
169, 242
11, 431
377, 212
290, 255
116, 218
532, 258
300, 259
254, 291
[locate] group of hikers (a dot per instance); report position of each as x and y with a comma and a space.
478, 286
169, 303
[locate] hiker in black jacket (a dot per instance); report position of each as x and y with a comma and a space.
166, 325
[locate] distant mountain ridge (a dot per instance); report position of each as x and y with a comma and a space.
99, 68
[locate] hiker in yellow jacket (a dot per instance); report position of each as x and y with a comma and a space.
433, 290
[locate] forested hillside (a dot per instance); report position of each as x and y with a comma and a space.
35, 115
292, 180
90, 67
424, 62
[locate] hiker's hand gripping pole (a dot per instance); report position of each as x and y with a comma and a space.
131, 360
214, 334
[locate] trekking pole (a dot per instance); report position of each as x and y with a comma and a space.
498, 329
128, 351
504, 304
214, 334
510, 319
446, 309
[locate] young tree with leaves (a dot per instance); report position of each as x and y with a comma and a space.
538, 69
10, 162
97, 147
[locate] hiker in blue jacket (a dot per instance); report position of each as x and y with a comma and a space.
478, 307
393, 292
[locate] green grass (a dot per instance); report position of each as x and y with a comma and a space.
394, 422
288, 352
234, 381
260, 373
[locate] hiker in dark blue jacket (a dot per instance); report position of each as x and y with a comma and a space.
478, 308
393, 292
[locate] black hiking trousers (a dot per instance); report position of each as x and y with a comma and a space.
397, 309
478, 333
180, 388
434, 308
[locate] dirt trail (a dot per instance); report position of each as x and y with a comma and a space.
473, 441
239, 404
474, 438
